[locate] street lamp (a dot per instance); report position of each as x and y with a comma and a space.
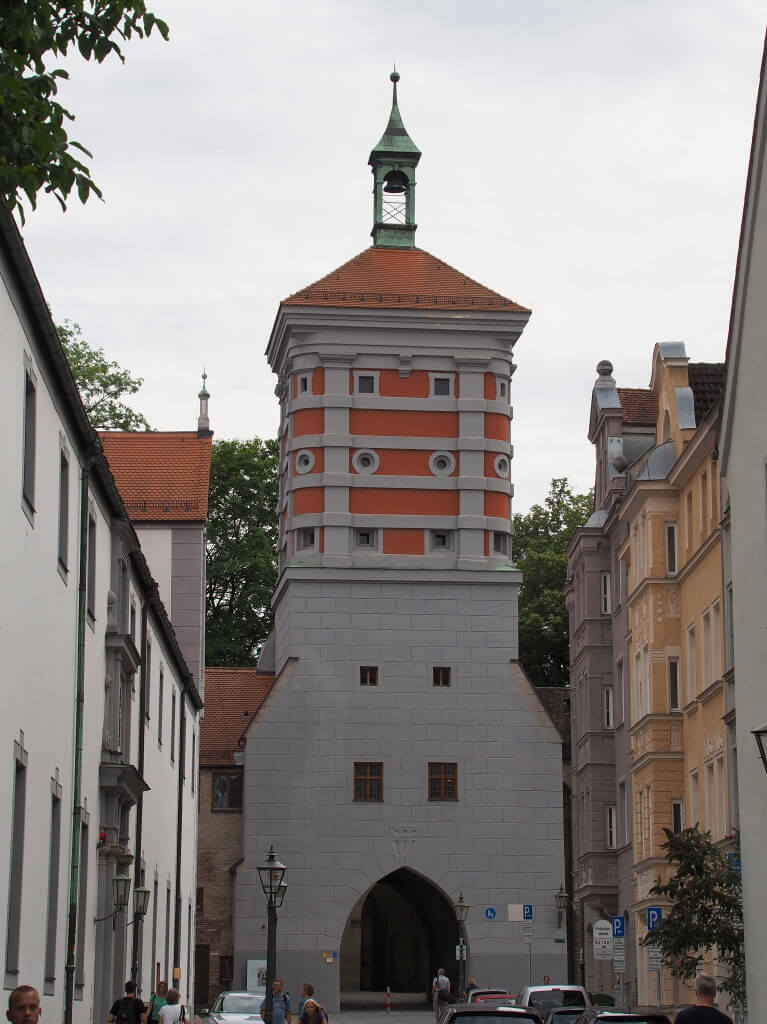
271, 874
120, 893
760, 735
562, 900
461, 908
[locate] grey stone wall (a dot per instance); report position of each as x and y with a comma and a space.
501, 842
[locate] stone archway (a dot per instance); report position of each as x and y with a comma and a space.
398, 933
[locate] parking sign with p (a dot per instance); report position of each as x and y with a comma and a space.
654, 917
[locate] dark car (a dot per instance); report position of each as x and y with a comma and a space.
613, 1016
473, 1013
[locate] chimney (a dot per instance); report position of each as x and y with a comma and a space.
203, 422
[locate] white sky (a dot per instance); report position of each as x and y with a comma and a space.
587, 159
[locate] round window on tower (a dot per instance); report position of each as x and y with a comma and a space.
365, 461
304, 461
501, 466
442, 463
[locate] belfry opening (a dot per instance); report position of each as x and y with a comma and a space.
397, 935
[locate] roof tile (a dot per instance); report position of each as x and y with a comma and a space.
639, 405
707, 382
160, 476
232, 697
381, 278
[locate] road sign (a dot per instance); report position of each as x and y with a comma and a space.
527, 911
619, 954
490, 913
527, 932
654, 958
619, 927
460, 950
654, 917
603, 940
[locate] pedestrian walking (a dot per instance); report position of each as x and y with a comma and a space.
313, 1013
24, 1005
280, 1004
156, 1002
704, 1011
128, 1009
440, 992
307, 990
174, 1012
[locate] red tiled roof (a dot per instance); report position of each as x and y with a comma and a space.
400, 278
639, 405
160, 476
232, 697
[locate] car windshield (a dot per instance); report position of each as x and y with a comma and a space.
237, 1004
547, 999
566, 1017
492, 1018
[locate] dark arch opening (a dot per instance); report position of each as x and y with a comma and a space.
397, 935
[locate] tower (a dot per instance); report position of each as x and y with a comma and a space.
393, 162
401, 755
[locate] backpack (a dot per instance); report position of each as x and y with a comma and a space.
443, 994
126, 1014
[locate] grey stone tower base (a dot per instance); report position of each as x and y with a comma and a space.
500, 842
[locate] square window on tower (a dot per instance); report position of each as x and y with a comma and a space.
441, 540
303, 384
365, 385
366, 538
305, 539
440, 386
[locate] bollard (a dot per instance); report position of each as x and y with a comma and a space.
388, 999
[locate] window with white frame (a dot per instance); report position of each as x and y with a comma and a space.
694, 798
674, 695
625, 812
29, 451
366, 537
365, 382
500, 543
441, 385
305, 539
671, 549
692, 683
677, 816
441, 540
637, 686
604, 593
611, 826
706, 644
719, 826
716, 640
708, 796
607, 707
303, 383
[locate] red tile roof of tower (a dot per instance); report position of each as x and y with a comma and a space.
381, 278
639, 405
161, 477
232, 697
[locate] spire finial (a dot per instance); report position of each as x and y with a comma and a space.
203, 422
204, 390
394, 78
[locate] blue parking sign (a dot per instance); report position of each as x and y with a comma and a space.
527, 911
654, 917
619, 927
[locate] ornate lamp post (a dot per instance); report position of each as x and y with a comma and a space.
271, 874
562, 900
461, 908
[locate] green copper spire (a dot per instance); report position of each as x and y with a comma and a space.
393, 161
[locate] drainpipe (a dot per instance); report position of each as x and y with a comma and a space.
179, 833
74, 875
138, 922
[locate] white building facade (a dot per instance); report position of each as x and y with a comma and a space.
98, 774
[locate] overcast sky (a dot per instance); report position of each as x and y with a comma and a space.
587, 159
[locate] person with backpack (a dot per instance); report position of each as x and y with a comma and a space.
128, 1009
156, 1003
173, 1012
280, 1004
440, 993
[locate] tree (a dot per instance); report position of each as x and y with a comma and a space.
102, 383
243, 529
35, 150
541, 537
706, 909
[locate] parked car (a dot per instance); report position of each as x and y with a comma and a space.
478, 995
563, 1015
548, 997
613, 1016
237, 1008
489, 997
473, 1013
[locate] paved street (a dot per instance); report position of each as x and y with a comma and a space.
367, 1016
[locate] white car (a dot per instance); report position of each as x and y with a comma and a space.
545, 997
237, 1008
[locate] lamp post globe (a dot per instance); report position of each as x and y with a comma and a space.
140, 901
120, 892
562, 900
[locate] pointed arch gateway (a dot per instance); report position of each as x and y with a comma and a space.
397, 934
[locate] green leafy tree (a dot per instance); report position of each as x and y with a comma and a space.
35, 150
103, 384
541, 537
243, 528
706, 909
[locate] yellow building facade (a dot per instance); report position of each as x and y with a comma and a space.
670, 575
